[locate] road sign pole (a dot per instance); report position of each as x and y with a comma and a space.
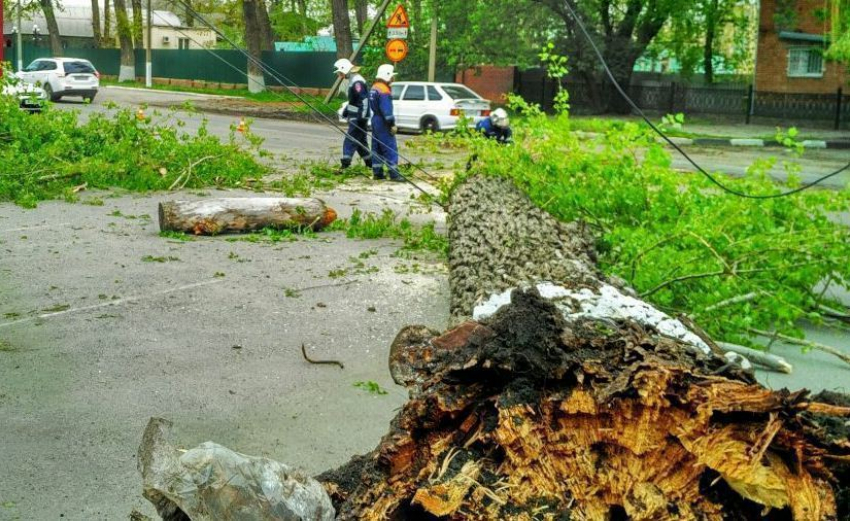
363, 38
432, 55
148, 53
3, 42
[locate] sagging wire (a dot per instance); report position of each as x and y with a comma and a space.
700, 169
280, 78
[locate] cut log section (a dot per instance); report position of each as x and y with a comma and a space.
562, 396
237, 215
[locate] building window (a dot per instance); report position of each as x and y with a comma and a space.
805, 62
183, 43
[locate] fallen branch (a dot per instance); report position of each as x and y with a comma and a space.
805, 343
777, 363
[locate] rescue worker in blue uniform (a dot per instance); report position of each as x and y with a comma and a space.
384, 145
497, 127
356, 112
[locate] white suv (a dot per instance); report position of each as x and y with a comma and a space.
420, 105
63, 77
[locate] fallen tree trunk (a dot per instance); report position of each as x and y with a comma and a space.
565, 397
235, 215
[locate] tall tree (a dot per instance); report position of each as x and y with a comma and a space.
138, 35
622, 29
253, 37
127, 72
266, 33
342, 28
95, 23
107, 23
361, 11
52, 27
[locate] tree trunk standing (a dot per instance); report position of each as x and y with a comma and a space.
52, 28
107, 25
138, 24
95, 23
127, 71
710, 30
573, 399
361, 11
187, 11
302, 10
253, 37
342, 28
266, 32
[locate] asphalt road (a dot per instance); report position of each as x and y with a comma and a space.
300, 140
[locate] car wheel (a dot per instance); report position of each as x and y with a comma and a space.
48, 90
89, 99
429, 125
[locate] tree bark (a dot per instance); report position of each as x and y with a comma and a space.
253, 39
138, 23
190, 18
127, 71
266, 33
342, 28
708, 49
361, 11
52, 28
107, 23
95, 23
572, 399
234, 215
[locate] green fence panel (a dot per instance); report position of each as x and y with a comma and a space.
302, 69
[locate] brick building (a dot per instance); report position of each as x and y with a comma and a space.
791, 42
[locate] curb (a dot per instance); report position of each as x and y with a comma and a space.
163, 91
809, 143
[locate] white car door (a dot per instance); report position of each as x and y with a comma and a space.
398, 102
30, 73
413, 105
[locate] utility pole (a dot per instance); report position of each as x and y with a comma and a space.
148, 61
2, 43
432, 55
363, 38
19, 44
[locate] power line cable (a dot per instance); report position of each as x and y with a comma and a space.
700, 169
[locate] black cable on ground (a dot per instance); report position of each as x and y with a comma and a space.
637, 109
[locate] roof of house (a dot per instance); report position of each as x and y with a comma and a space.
74, 19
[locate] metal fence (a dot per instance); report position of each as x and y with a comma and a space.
730, 100
302, 69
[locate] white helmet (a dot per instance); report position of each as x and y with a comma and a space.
386, 73
500, 118
343, 66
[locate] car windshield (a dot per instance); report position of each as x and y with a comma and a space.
459, 92
79, 68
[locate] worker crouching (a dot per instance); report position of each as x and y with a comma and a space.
497, 127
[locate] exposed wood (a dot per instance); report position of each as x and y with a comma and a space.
234, 215
572, 399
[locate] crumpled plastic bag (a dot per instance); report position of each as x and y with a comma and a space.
214, 483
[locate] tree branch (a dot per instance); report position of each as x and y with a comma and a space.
805, 343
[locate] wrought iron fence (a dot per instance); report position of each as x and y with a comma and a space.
721, 99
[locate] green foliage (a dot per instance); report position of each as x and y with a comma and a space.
685, 246
373, 226
371, 387
672, 122
292, 27
43, 156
